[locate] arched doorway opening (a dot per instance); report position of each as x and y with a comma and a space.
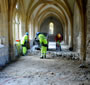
52, 26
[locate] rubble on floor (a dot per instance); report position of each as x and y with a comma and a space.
31, 70
64, 54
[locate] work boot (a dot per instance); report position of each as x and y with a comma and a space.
45, 56
83, 66
41, 57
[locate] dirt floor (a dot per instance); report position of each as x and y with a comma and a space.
31, 70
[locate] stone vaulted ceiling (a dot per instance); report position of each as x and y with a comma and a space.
41, 9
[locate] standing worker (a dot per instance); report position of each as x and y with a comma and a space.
58, 41
43, 44
24, 42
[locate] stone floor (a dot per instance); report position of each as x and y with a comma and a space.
31, 70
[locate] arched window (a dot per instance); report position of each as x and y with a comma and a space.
17, 23
17, 6
17, 31
30, 30
51, 28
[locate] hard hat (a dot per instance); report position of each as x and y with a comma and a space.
59, 35
27, 33
37, 34
17, 40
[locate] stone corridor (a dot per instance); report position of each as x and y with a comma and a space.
69, 18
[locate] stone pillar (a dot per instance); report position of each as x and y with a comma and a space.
88, 30
66, 35
34, 28
69, 33
71, 44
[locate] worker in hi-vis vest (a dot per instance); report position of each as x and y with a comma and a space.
24, 42
43, 44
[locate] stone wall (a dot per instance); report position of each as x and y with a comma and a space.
88, 30
4, 59
3, 23
4, 53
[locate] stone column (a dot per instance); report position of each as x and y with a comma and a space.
88, 30
66, 35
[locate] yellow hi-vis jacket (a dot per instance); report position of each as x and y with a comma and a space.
24, 39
